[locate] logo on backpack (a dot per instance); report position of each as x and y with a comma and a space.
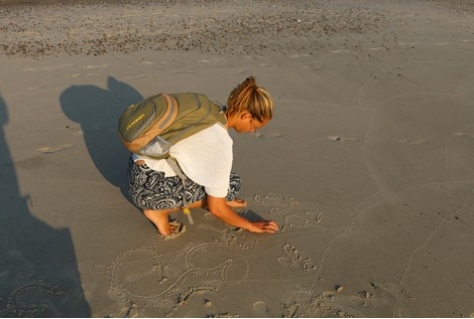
129, 126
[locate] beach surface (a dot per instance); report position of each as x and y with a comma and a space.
367, 165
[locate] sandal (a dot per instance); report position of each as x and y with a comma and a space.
177, 228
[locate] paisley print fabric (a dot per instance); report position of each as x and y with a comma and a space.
150, 189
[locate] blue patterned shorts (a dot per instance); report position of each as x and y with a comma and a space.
149, 189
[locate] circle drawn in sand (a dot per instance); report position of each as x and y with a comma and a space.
32, 300
133, 271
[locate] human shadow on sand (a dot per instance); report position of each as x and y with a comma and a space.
97, 110
39, 276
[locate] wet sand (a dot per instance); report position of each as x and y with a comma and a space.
367, 165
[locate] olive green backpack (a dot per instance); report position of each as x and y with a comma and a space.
152, 126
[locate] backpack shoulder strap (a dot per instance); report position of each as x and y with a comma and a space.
175, 166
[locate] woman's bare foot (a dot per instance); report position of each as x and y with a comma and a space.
166, 229
238, 202
177, 228
160, 219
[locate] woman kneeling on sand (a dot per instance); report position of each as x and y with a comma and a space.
206, 159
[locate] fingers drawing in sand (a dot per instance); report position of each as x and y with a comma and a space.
188, 165
264, 227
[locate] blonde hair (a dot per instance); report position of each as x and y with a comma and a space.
248, 96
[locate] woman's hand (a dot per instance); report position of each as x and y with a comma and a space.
219, 208
264, 227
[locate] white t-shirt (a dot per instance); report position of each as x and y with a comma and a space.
205, 158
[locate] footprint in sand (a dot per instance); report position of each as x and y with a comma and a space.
280, 205
267, 134
334, 304
295, 258
130, 311
184, 297
317, 216
283, 208
297, 221
336, 138
463, 135
268, 199
261, 309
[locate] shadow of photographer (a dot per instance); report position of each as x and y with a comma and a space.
39, 274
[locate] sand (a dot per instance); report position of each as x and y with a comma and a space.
367, 165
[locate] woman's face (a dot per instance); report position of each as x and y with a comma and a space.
248, 124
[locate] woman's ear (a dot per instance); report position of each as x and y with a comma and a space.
245, 115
